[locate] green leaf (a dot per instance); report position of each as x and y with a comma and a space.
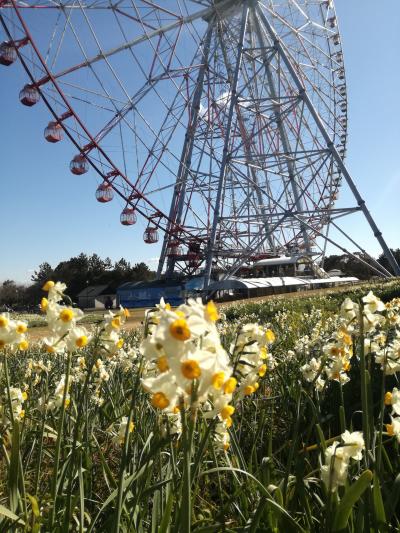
283, 513
391, 502
14, 468
352, 495
34, 505
253, 524
379, 508
321, 438
164, 525
12, 516
126, 484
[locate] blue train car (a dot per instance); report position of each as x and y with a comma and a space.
149, 293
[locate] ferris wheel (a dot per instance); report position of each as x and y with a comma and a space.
222, 123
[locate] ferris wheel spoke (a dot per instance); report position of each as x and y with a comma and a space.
147, 36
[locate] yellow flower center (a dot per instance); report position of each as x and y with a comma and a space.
22, 413
179, 330
347, 339
126, 313
159, 400
168, 307
44, 304
388, 398
120, 343
116, 322
67, 402
162, 364
248, 390
131, 427
346, 366
175, 410
390, 429
66, 315
263, 352
334, 350
227, 411
228, 422
81, 341
212, 312
230, 385
50, 349
48, 285
3, 322
24, 396
217, 380
21, 328
23, 345
270, 335
226, 446
191, 369
262, 370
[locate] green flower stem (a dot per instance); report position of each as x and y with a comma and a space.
58, 444
81, 410
125, 452
7, 376
40, 452
382, 410
342, 413
21, 472
186, 509
364, 391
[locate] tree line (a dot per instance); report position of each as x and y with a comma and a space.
86, 270
78, 273
351, 266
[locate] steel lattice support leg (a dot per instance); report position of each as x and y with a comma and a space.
292, 172
187, 151
285, 55
225, 155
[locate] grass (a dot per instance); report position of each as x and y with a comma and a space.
72, 463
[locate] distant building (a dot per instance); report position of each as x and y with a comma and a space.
149, 293
97, 297
336, 272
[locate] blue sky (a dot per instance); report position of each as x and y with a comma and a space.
47, 214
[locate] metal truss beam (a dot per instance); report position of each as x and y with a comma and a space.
187, 152
288, 60
225, 154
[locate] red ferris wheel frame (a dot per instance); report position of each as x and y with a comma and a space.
171, 228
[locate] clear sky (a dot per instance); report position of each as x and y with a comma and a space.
47, 214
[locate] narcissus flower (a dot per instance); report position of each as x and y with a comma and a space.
393, 399
353, 444
393, 429
349, 310
122, 429
372, 304
212, 312
334, 472
337, 458
77, 338
179, 330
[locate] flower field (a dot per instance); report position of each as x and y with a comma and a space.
276, 416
